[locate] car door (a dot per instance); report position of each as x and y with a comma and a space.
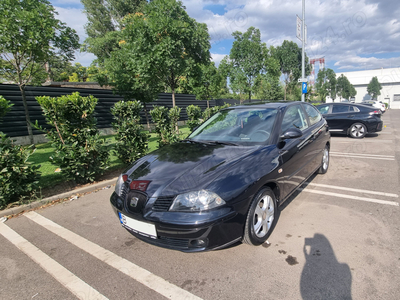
340, 117
294, 152
318, 129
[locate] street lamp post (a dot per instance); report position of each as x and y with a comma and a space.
303, 71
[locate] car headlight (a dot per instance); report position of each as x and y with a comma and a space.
196, 201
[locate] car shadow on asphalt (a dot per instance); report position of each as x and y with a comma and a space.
297, 192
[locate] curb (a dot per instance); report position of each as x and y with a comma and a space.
90, 188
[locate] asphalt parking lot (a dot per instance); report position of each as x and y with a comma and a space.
338, 238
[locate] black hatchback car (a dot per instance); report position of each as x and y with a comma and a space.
226, 181
351, 119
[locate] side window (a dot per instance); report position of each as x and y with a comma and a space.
323, 109
294, 118
313, 114
340, 109
354, 108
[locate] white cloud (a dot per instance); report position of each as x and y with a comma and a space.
74, 18
341, 30
216, 58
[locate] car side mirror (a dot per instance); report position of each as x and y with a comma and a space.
291, 133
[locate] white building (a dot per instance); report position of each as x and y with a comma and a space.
388, 78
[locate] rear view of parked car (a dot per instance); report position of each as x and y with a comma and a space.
351, 119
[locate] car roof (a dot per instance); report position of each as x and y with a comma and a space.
347, 103
275, 104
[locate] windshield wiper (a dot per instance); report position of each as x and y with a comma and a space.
210, 142
197, 142
224, 143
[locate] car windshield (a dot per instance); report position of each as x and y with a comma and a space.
237, 126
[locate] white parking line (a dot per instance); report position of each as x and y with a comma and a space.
73, 283
346, 140
353, 190
393, 203
137, 273
362, 156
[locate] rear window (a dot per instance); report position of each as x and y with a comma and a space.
323, 109
340, 109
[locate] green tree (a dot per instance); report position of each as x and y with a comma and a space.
374, 88
289, 56
104, 23
247, 58
30, 36
325, 84
158, 48
344, 88
209, 85
268, 86
163, 44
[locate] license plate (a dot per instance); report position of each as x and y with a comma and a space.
139, 227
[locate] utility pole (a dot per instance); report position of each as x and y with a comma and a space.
303, 71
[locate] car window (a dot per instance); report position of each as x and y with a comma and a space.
340, 109
294, 118
313, 114
354, 108
323, 109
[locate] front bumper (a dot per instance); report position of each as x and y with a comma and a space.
187, 232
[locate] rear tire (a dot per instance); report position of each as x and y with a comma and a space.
325, 161
261, 218
357, 130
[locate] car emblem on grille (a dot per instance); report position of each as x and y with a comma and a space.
134, 201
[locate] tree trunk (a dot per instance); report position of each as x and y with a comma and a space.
249, 96
173, 105
284, 98
173, 98
147, 116
48, 71
208, 104
28, 119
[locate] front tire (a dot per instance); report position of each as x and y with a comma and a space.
325, 161
261, 218
358, 130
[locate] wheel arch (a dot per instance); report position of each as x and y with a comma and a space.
275, 189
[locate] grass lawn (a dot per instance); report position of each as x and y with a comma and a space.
49, 176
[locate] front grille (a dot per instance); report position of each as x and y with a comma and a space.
163, 203
178, 243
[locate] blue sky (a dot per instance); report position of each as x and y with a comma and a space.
351, 34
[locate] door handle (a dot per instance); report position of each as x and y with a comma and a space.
351, 116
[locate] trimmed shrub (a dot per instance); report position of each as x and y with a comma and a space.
79, 151
17, 177
5, 106
194, 115
166, 121
132, 143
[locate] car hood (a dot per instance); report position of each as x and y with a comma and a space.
183, 167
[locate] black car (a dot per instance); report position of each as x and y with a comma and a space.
351, 119
226, 181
